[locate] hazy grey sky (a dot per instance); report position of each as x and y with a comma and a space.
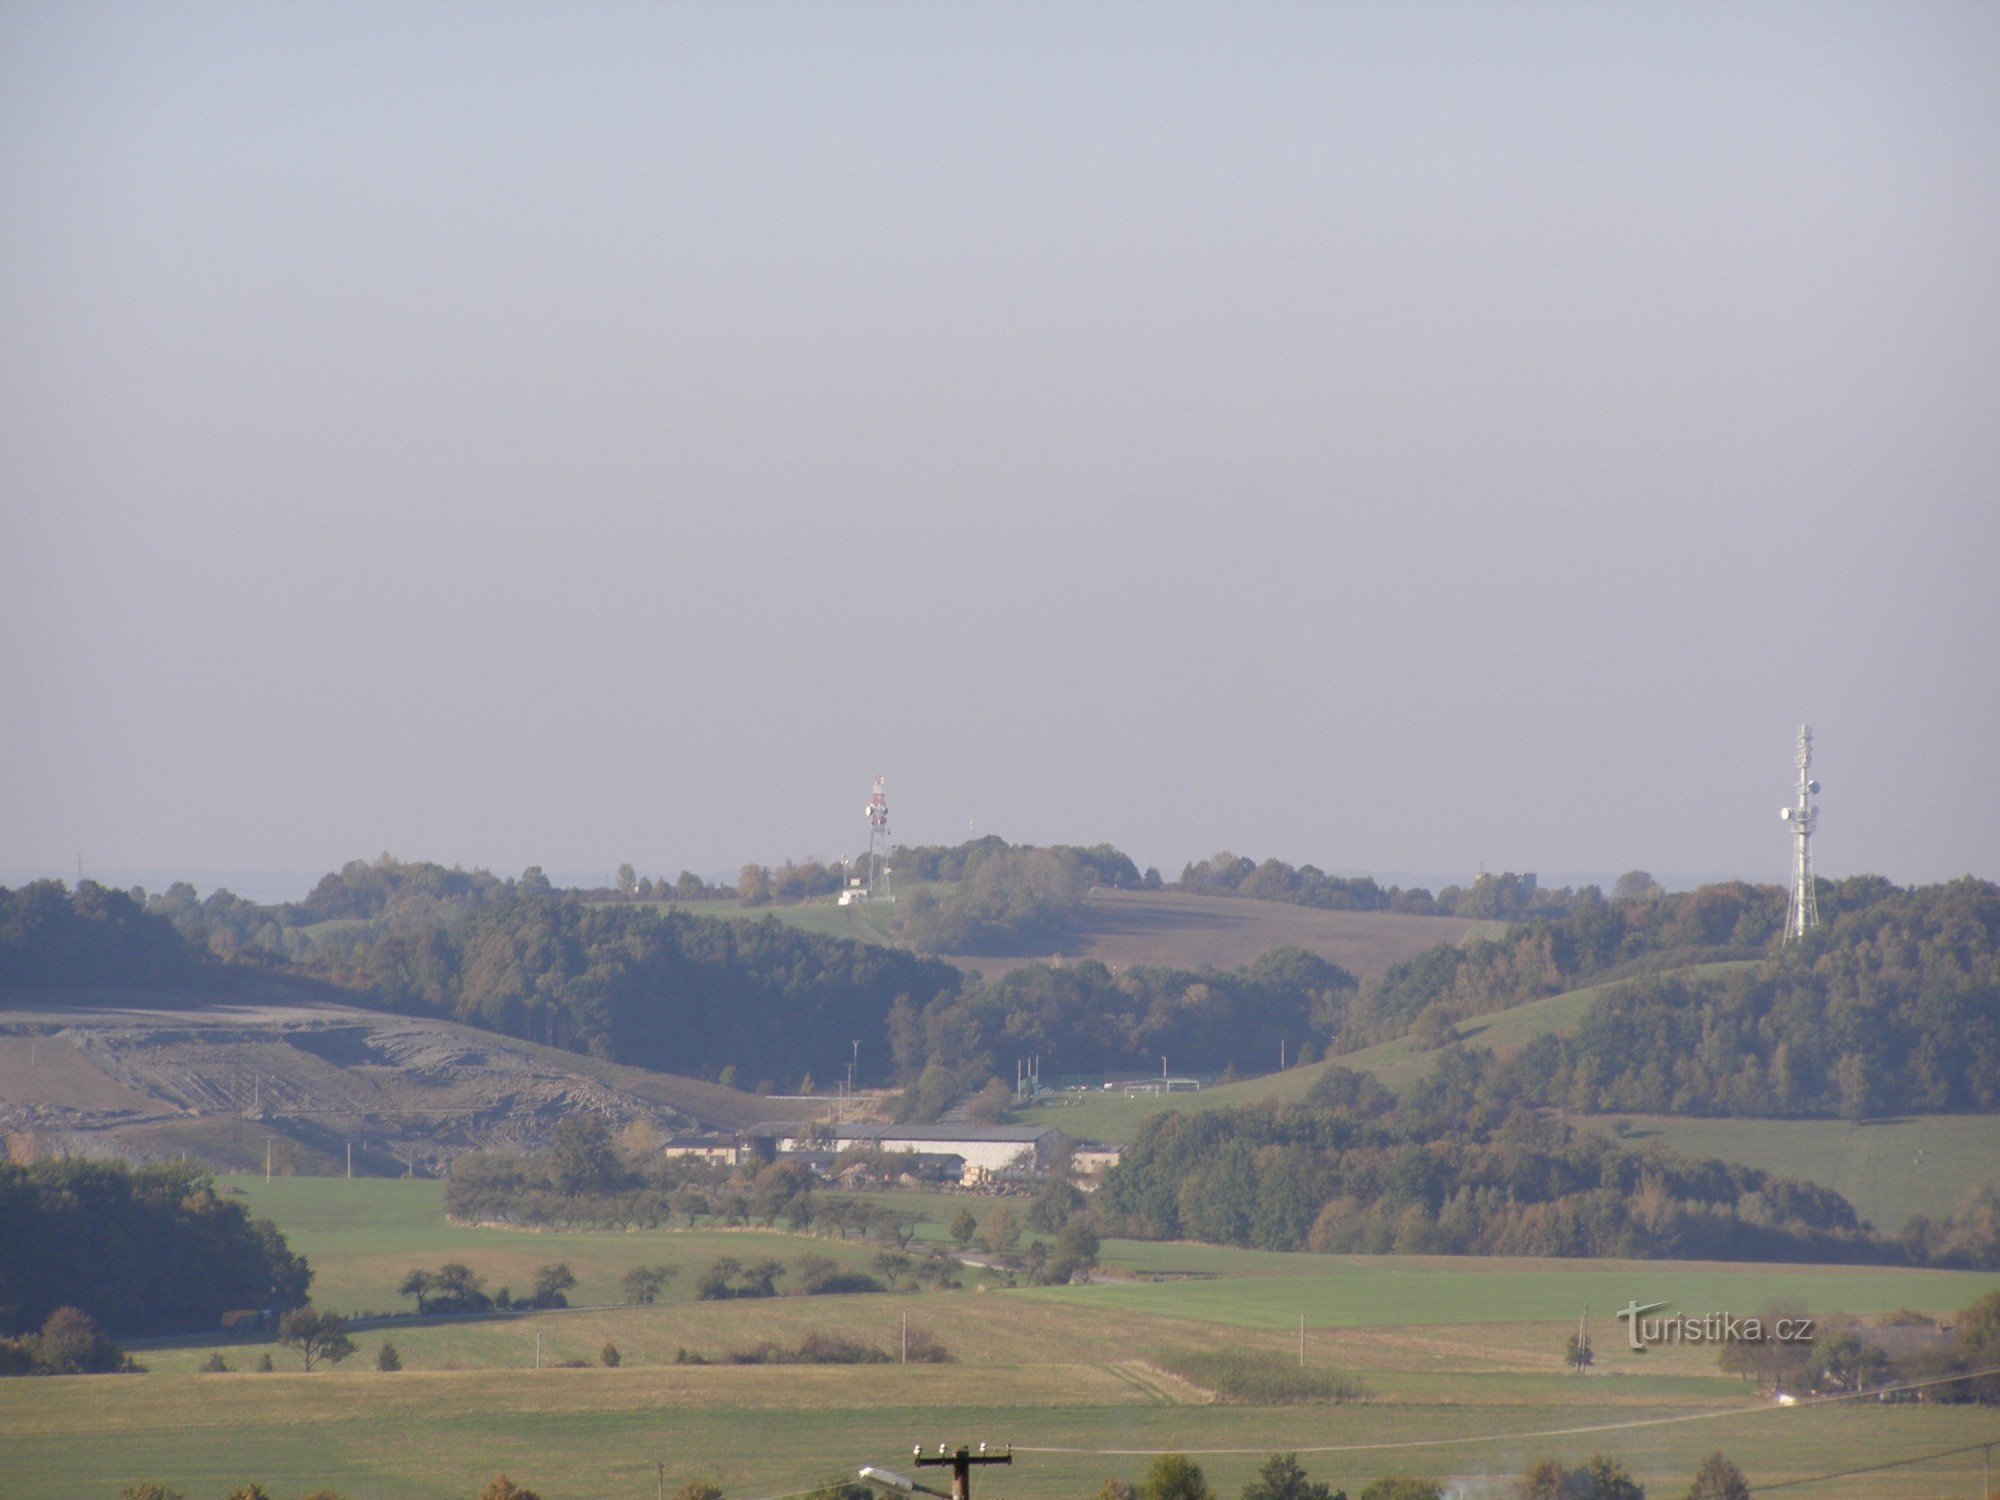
1401, 437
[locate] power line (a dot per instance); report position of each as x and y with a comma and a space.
1898, 1463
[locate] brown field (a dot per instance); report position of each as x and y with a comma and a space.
1124, 928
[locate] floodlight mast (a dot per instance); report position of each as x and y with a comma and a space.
1803, 913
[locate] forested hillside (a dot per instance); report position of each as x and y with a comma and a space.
1892, 1005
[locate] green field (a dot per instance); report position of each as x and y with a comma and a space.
1458, 1359
1888, 1169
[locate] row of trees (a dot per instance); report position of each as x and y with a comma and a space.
1173, 1476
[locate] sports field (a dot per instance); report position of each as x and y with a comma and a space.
1457, 1362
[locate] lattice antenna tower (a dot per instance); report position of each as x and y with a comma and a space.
880, 874
1802, 815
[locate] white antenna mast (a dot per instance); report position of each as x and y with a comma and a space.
1803, 914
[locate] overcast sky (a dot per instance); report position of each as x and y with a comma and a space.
1407, 438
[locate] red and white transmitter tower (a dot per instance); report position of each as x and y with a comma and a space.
880, 882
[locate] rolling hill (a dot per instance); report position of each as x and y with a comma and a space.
1169, 930
216, 1081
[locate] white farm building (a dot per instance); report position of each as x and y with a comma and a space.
985, 1149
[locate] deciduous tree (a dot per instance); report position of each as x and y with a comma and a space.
317, 1335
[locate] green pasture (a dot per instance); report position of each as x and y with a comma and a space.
572, 1434
1458, 1360
1400, 1290
1888, 1169
363, 1236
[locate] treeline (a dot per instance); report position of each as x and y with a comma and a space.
1311, 1177
142, 1250
1083, 1018
585, 1178
660, 989
1006, 899
53, 937
1505, 897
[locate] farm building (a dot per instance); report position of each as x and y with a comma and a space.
986, 1149
717, 1148
1093, 1157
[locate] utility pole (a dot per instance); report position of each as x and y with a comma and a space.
1302, 1341
267, 1158
960, 1464
662, 1492
350, 1159
538, 1351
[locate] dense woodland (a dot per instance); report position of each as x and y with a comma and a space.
142, 1250
1454, 1169
1892, 1005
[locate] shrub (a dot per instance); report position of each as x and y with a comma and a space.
71, 1343
1173, 1476
1403, 1487
610, 1355
386, 1358
215, 1364
1259, 1379
921, 1347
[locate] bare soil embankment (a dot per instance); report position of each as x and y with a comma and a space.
214, 1081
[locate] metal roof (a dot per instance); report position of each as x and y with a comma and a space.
1024, 1134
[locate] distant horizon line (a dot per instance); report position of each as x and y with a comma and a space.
269, 885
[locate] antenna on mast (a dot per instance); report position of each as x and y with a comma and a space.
1803, 914
880, 884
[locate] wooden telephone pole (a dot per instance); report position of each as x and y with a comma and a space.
960, 1464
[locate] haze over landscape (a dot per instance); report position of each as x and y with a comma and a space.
1406, 441
1329, 519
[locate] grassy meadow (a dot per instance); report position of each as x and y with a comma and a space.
1457, 1362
